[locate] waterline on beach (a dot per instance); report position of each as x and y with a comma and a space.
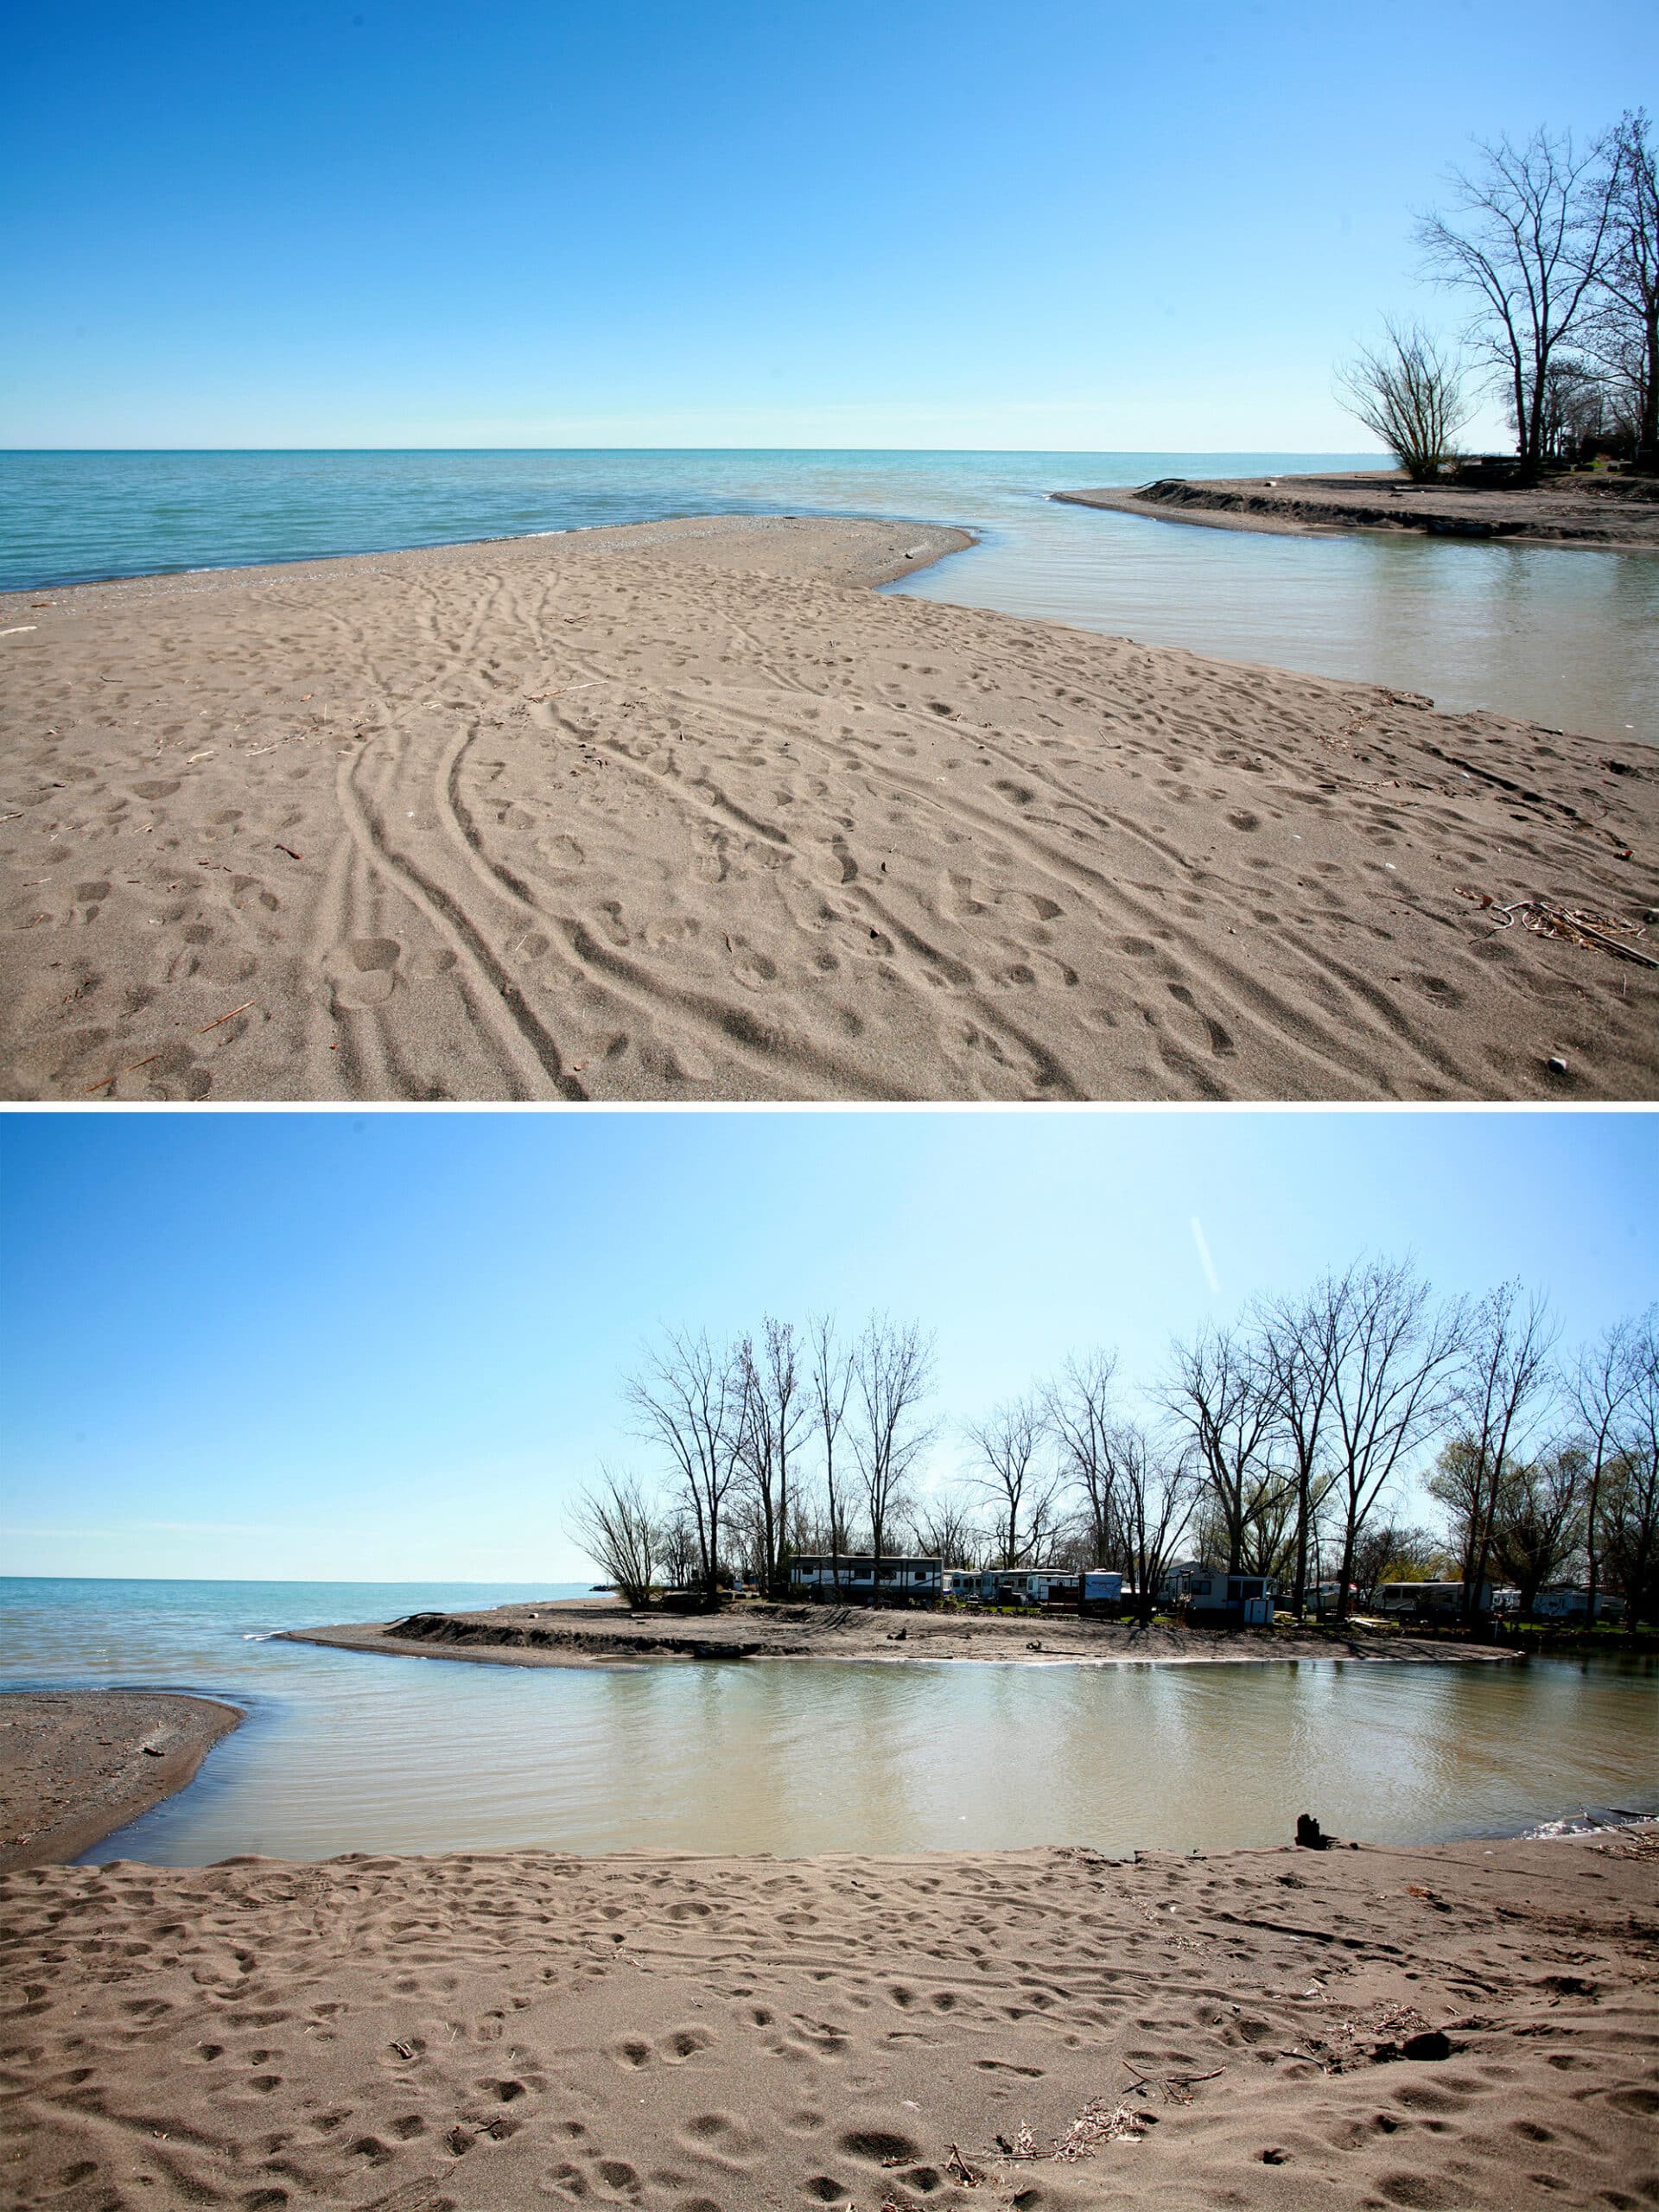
1558, 637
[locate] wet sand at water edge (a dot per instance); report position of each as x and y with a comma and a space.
77, 1764
1043, 2029
688, 810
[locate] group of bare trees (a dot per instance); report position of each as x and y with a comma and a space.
1556, 253
1280, 1444
732, 1424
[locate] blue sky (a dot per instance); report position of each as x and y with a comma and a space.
954, 223
385, 1346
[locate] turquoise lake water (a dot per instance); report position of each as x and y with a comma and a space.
351, 1751
1568, 639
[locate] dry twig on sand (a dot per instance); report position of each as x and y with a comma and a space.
1600, 933
230, 1016
1098, 2122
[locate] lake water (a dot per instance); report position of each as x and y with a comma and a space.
346, 1751
1569, 638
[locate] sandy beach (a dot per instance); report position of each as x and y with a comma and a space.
1606, 514
1043, 2029
586, 1632
687, 811
77, 1764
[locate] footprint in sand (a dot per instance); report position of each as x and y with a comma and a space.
719, 2136
363, 971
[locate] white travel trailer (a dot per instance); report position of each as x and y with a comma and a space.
1427, 1601
1563, 1602
1209, 1593
854, 1577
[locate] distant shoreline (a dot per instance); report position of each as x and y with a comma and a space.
1571, 518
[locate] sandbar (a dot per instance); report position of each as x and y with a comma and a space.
1597, 513
77, 1764
687, 811
599, 1630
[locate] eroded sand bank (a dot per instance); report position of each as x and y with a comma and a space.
687, 811
586, 1631
1604, 514
688, 2035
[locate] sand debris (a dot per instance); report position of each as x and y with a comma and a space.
1095, 2124
1601, 932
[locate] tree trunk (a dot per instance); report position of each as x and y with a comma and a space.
1647, 443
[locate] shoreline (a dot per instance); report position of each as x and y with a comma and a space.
1384, 502
79, 1764
1465, 2026
587, 1632
926, 536
691, 812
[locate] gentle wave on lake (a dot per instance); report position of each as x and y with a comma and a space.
1566, 638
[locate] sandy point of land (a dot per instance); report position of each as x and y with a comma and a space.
1601, 513
1045, 2030
689, 812
593, 1631
77, 1764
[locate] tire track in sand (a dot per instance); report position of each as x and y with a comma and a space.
728, 1027
526, 1045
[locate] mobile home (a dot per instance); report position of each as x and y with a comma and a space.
854, 1577
1209, 1594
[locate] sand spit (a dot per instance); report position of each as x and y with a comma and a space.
1042, 2028
77, 1764
1606, 514
586, 1631
687, 811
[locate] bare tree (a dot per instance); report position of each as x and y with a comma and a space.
1624, 319
1298, 1339
1528, 239
1503, 1392
1392, 1363
676, 1538
945, 1529
893, 1373
1605, 1380
1631, 1529
773, 1412
1154, 1491
1408, 394
1540, 1527
1025, 1493
687, 1399
616, 1524
1078, 1410
829, 1385
1221, 1392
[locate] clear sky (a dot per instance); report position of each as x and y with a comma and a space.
385, 1346
960, 223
